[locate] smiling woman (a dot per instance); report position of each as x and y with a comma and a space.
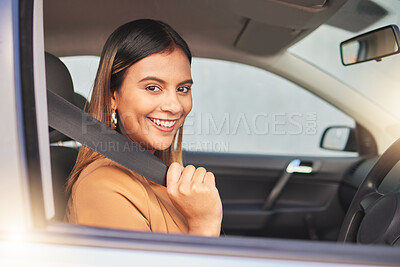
162, 99
143, 90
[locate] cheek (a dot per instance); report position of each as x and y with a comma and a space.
136, 106
187, 105
133, 115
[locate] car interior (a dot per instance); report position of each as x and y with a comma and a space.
278, 196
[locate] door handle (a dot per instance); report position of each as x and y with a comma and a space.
295, 166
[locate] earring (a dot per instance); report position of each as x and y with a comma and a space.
114, 120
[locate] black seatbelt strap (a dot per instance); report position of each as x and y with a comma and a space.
85, 129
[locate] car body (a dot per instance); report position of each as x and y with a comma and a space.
270, 35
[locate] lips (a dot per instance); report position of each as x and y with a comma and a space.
163, 125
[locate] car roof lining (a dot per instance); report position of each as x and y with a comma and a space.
81, 27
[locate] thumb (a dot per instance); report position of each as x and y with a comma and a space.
173, 174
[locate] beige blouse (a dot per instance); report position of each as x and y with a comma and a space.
109, 195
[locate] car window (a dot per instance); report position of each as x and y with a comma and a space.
83, 72
243, 109
238, 108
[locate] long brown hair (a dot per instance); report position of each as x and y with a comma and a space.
127, 45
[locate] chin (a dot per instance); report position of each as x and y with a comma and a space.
161, 145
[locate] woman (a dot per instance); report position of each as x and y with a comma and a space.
142, 89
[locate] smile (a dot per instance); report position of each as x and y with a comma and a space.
163, 123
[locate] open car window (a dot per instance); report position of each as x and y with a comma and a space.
310, 209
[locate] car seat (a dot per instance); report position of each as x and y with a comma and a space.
58, 80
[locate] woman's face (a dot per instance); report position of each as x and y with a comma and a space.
154, 99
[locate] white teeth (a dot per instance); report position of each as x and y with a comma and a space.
164, 123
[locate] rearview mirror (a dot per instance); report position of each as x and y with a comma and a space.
372, 45
339, 138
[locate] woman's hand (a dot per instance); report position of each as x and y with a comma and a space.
193, 193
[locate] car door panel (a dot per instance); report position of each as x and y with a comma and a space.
308, 206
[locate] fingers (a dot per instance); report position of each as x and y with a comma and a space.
187, 174
193, 193
209, 179
198, 176
173, 174
178, 175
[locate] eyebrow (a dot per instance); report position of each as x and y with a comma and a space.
152, 78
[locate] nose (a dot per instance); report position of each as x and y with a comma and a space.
171, 103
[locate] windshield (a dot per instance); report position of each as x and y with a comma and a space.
378, 81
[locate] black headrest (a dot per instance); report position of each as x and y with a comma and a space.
59, 81
80, 101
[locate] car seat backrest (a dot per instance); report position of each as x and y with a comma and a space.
58, 80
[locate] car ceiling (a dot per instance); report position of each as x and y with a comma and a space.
257, 27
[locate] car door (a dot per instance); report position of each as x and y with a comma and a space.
247, 126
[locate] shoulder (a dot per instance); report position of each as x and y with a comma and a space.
105, 175
108, 195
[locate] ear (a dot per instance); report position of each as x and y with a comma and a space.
114, 100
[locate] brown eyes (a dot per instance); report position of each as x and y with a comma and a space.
154, 88
184, 89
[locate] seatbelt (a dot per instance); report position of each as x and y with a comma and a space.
85, 129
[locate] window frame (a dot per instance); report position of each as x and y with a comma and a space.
47, 232
30, 139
